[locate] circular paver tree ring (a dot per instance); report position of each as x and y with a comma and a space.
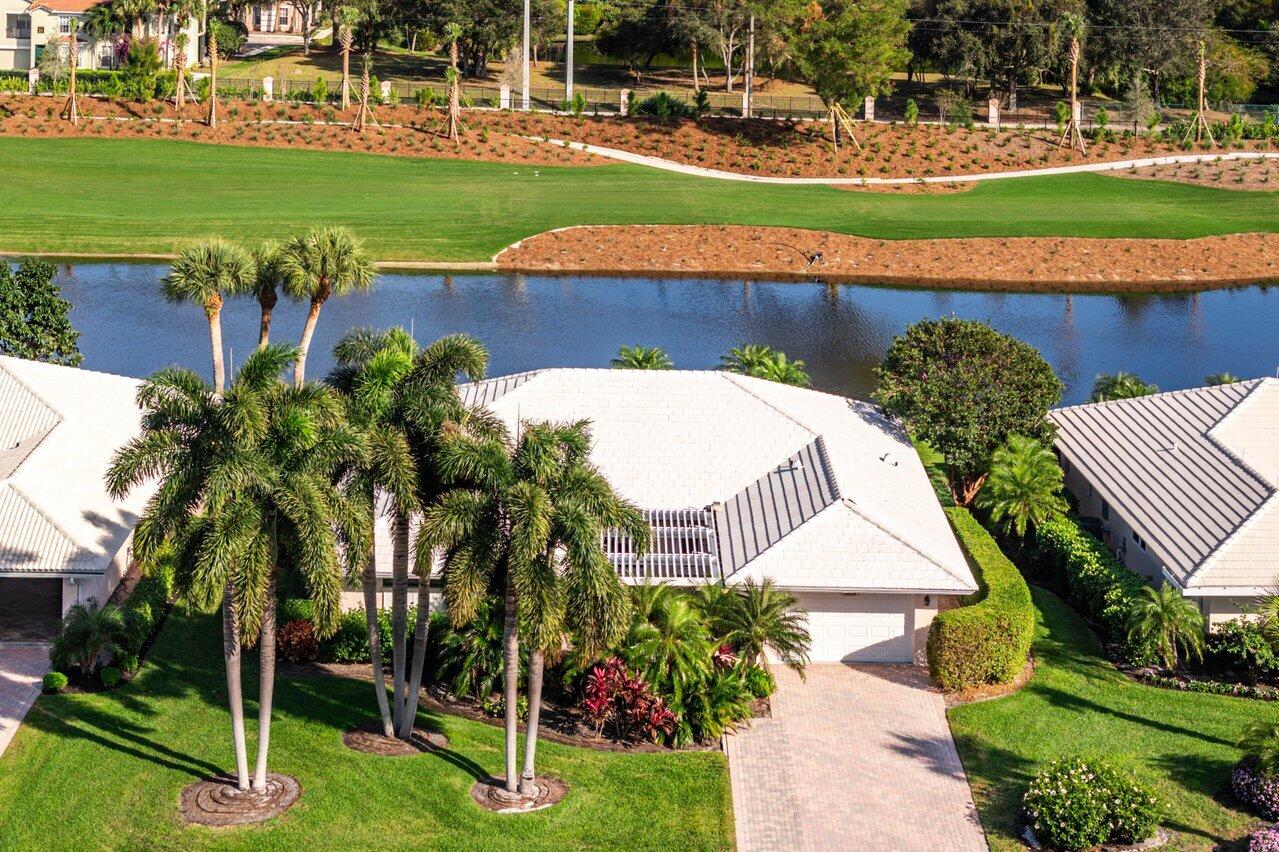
369, 739
219, 802
491, 794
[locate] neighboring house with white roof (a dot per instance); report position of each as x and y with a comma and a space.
63, 539
744, 478
1185, 485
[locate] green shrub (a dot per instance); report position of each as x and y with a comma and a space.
1096, 584
230, 38
350, 644
55, 682
129, 663
110, 677
986, 641
320, 91
760, 681
293, 609
665, 105
140, 70
146, 606
1240, 646
1078, 804
425, 97
912, 111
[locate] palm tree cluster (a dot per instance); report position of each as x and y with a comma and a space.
751, 359
1120, 385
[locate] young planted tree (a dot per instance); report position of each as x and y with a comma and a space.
71, 111
202, 275
344, 21
528, 521
181, 88
1024, 486
213, 76
641, 358
321, 263
966, 389
453, 78
1199, 127
1073, 28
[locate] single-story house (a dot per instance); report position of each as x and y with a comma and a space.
30, 26
1184, 486
63, 540
743, 478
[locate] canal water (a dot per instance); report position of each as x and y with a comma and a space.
841, 331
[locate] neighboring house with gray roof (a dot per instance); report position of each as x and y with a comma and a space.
63, 539
743, 478
1186, 486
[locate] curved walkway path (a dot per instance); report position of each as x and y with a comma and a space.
699, 171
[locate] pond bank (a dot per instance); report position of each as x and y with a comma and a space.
1036, 264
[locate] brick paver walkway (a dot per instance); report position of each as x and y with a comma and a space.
857, 757
22, 667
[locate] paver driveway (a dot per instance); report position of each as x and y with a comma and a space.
21, 669
857, 757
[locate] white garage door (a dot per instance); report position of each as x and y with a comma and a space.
861, 628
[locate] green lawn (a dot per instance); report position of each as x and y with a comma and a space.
104, 772
1077, 703
122, 196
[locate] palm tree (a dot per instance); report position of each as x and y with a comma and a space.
764, 617
1073, 26
213, 76
453, 78
668, 642
106, 21
641, 358
1024, 486
345, 21
321, 263
764, 362
202, 274
268, 278
246, 485
87, 630
71, 111
1164, 618
528, 519
1121, 385
1214, 379
1260, 744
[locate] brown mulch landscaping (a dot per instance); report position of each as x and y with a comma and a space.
218, 802
1253, 175
370, 740
1044, 264
991, 691
491, 794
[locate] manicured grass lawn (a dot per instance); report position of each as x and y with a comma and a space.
121, 196
104, 772
1183, 744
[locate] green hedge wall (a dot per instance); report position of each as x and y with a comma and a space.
145, 608
1097, 585
988, 640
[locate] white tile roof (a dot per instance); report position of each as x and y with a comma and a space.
55, 513
674, 439
1196, 474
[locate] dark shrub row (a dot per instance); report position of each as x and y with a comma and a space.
988, 640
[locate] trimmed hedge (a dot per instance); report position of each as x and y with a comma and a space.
1097, 585
146, 606
987, 641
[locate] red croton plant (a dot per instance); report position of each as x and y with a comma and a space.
615, 696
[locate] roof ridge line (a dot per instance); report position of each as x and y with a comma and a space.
730, 376
892, 534
57, 412
26, 498
1257, 382
1215, 555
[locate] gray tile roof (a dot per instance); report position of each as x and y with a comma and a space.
1184, 470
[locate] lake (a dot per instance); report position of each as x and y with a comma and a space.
842, 331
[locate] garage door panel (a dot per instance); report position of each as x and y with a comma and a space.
30, 608
860, 628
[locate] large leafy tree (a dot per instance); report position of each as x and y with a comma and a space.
849, 49
526, 521
1024, 486
35, 320
966, 389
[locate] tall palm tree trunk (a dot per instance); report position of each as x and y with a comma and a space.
511, 655
369, 584
213, 77
536, 664
235, 695
266, 683
399, 611
362, 117
421, 632
266, 301
213, 312
71, 111
304, 345
346, 69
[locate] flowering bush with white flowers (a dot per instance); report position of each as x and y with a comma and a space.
1078, 804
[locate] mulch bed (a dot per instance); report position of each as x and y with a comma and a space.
491, 795
369, 739
218, 802
991, 691
1249, 175
1032, 264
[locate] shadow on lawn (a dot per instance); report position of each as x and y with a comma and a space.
1079, 704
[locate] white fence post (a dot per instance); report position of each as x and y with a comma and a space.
268, 89
625, 104
868, 108
504, 96
386, 91
746, 104
992, 112
33, 79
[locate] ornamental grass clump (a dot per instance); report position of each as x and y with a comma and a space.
1077, 804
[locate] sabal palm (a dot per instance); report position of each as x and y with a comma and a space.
763, 618
321, 263
668, 641
642, 358
528, 519
764, 362
346, 19
1170, 622
1024, 486
203, 274
401, 398
245, 483
1120, 385
268, 278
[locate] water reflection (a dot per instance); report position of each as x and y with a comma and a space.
841, 331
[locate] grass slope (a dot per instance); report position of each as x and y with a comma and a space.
104, 772
123, 196
1077, 703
